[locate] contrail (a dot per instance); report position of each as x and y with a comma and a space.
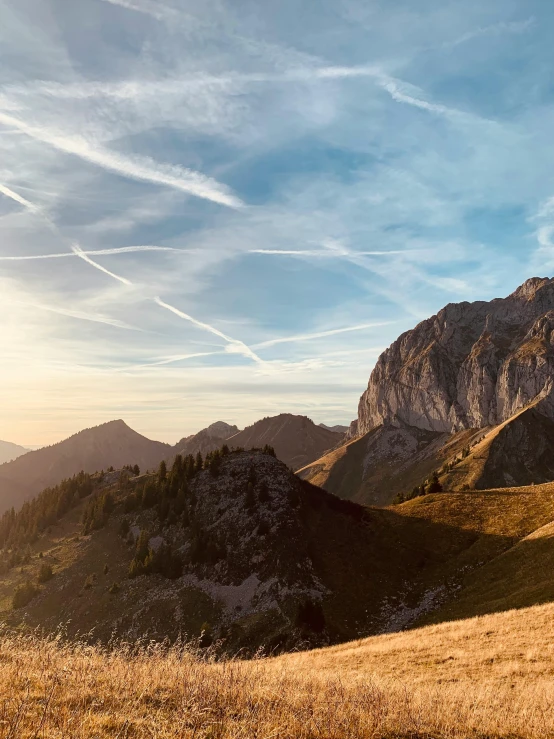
93, 317
171, 360
80, 253
87, 252
18, 199
143, 169
320, 334
331, 254
234, 346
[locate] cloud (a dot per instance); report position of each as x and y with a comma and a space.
325, 254
18, 199
234, 346
73, 313
153, 9
84, 252
496, 29
80, 253
299, 338
143, 168
395, 90
171, 360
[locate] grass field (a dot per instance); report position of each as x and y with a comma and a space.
491, 676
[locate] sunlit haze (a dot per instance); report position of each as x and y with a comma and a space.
226, 210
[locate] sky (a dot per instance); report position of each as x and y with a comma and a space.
215, 210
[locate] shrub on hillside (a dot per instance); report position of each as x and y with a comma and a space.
310, 615
45, 573
23, 595
263, 528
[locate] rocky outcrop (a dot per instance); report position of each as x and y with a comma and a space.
472, 365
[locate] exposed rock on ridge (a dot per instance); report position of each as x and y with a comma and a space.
472, 365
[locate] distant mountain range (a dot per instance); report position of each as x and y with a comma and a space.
338, 429
9, 451
456, 429
296, 440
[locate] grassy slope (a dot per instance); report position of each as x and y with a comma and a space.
486, 678
349, 472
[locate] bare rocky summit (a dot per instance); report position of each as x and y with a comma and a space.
472, 365
467, 395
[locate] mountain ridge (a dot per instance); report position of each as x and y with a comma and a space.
111, 444
10, 451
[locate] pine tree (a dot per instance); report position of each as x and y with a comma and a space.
198, 463
249, 500
162, 472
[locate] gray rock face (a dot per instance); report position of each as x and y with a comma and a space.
472, 365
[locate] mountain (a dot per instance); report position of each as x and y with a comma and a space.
250, 554
296, 439
467, 395
472, 365
112, 444
9, 451
242, 545
338, 429
205, 441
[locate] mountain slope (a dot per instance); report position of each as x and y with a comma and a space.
9, 451
265, 559
256, 544
296, 439
206, 440
483, 677
112, 444
385, 462
467, 395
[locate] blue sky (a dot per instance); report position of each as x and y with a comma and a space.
226, 210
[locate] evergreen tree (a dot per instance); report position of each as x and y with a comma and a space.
249, 500
162, 472
198, 463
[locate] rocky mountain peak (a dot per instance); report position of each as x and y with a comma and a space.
531, 286
472, 365
222, 430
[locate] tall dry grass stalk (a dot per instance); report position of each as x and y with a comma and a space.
53, 690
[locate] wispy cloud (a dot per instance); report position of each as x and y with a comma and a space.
90, 253
18, 198
143, 168
496, 29
300, 338
80, 315
234, 346
319, 253
80, 253
147, 7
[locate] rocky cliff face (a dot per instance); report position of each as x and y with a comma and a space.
472, 365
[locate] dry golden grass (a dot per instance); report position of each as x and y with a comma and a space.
486, 677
